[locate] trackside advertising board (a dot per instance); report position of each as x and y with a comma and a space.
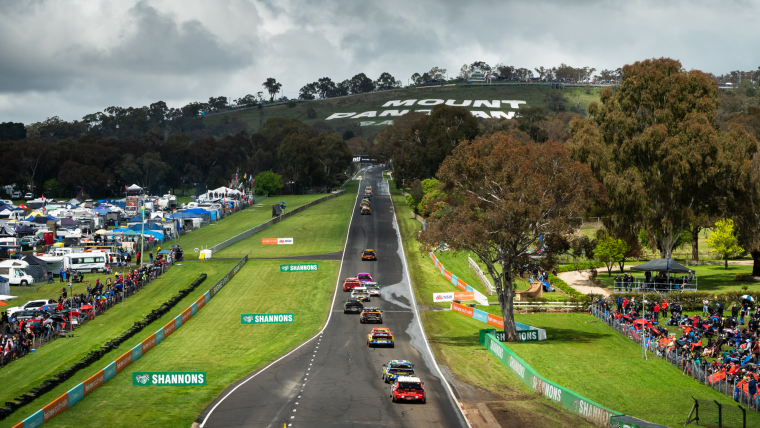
266, 318
168, 378
75, 394
476, 295
582, 406
277, 241
531, 333
299, 268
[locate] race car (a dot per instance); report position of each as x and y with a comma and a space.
369, 255
364, 277
371, 315
364, 203
351, 283
408, 389
352, 305
396, 368
366, 211
368, 189
360, 293
380, 336
372, 288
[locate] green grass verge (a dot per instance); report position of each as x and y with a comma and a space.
318, 230
236, 223
456, 263
582, 354
710, 278
454, 338
29, 371
214, 341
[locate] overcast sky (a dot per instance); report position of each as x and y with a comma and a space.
69, 58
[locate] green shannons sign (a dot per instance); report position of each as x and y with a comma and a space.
168, 378
266, 318
299, 268
525, 335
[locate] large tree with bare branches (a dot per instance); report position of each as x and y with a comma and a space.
509, 198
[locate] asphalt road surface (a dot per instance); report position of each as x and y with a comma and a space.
335, 379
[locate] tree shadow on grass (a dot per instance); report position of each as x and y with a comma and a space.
553, 335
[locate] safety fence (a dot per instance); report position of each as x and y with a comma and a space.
481, 276
248, 233
727, 382
43, 334
479, 297
594, 413
78, 392
526, 332
709, 413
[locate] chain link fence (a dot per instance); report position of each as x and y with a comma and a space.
686, 361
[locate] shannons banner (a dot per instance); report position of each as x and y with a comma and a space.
168, 378
299, 268
582, 406
266, 318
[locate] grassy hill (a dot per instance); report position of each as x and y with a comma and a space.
534, 96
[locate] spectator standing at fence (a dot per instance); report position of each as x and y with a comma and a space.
656, 311
705, 306
60, 272
618, 283
734, 311
664, 308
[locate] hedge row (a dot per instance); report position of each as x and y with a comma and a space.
562, 285
58, 378
580, 266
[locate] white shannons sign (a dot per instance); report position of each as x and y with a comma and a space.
486, 104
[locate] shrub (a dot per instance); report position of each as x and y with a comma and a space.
742, 275
580, 266
311, 113
291, 104
562, 285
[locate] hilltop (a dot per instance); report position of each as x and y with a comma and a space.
374, 111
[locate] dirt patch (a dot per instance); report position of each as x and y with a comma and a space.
531, 413
423, 308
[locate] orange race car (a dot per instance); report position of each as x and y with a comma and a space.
369, 255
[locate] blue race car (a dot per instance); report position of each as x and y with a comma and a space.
396, 368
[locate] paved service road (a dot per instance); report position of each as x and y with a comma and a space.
334, 380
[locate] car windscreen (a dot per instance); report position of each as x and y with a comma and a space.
365, 276
380, 335
410, 385
401, 367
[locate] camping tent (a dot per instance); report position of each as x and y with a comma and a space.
37, 268
5, 230
661, 265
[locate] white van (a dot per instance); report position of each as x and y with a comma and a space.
14, 271
85, 262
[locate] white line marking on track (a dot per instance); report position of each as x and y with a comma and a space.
319, 334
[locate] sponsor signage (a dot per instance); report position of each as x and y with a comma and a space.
450, 297
266, 318
299, 268
168, 378
276, 241
525, 335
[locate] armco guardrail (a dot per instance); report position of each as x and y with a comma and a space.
78, 392
248, 233
581, 406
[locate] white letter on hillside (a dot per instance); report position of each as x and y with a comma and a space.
430, 102
452, 103
501, 114
482, 114
366, 114
387, 122
487, 104
423, 111
340, 115
399, 103
393, 113
366, 124
512, 103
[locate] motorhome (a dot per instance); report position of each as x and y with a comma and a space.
14, 271
85, 262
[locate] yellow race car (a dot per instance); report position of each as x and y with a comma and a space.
369, 255
380, 336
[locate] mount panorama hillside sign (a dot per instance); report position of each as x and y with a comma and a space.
482, 104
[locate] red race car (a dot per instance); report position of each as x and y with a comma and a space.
407, 388
351, 283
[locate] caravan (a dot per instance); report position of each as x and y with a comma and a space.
86, 262
14, 271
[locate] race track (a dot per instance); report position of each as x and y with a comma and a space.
335, 379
